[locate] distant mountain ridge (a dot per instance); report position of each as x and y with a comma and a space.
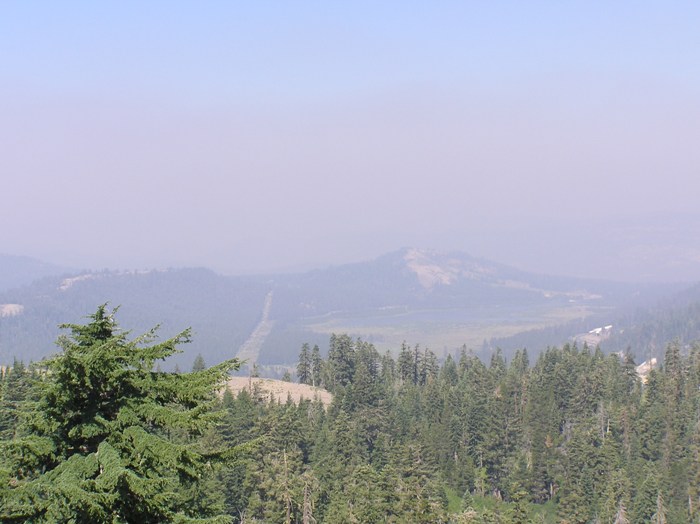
17, 271
442, 300
413, 277
220, 310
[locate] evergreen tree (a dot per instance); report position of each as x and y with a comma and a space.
304, 367
405, 364
428, 367
659, 516
519, 513
644, 505
16, 389
388, 366
448, 373
341, 362
199, 364
360, 500
316, 366
416, 364
99, 446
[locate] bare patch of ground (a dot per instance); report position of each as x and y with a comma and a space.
446, 336
278, 390
430, 273
11, 310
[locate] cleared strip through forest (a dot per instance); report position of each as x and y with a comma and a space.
250, 349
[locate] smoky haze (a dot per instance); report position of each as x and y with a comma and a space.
252, 139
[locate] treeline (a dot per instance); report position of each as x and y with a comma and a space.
575, 437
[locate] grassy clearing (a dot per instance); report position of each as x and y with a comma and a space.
443, 331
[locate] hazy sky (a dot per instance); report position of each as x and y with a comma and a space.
254, 136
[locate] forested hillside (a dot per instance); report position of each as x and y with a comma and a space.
445, 300
221, 311
573, 437
646, 329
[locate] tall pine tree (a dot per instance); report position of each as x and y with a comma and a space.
111, 440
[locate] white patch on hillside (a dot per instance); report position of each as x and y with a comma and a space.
11, 310
432, 270
67, 283
428, 271
595, 336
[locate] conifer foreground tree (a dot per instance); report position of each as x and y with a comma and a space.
110, 439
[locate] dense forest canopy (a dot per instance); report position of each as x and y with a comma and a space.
575, 436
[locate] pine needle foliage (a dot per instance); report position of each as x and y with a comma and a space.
109, 439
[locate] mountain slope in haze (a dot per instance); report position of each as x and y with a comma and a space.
220, 310
442, 300
422, 278
645, 329
17, 271
649, 330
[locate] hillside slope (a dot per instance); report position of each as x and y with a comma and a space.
220, 310
441, 300
17, 271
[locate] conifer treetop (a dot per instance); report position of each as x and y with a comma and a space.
98, 445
